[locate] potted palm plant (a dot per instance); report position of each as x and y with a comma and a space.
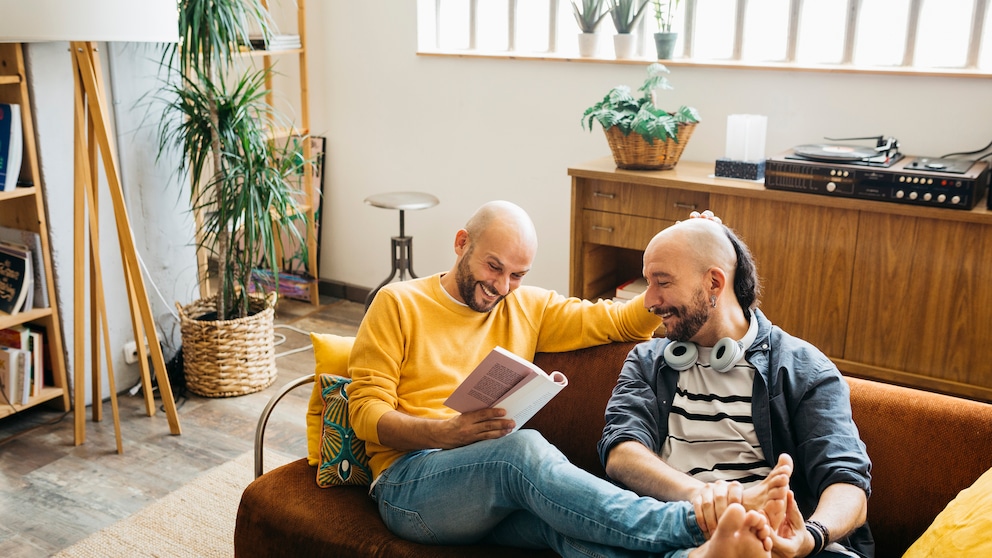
664, 38
626, 14
640, 133
242, 190
588, 14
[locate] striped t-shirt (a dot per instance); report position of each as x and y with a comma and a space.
710, 429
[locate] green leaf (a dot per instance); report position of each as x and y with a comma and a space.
620, 109
589, 15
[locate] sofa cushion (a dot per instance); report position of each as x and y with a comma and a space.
331, 356
342, 455
964, 528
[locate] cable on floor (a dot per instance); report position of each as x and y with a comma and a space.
283, 340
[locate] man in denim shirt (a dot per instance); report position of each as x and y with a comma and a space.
707, 420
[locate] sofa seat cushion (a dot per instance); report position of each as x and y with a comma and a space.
285, 513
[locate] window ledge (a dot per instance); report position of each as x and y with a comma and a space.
722, 64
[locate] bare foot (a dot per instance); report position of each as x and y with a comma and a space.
768, 496
739, 534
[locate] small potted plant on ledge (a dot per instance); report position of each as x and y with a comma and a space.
664, 39
626, 14
588, 14
642, 135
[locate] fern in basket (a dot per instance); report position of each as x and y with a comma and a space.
640, 114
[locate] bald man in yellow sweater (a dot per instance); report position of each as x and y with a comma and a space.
447, 478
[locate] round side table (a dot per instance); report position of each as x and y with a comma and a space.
402, 245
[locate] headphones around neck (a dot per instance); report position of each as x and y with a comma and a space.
726, 354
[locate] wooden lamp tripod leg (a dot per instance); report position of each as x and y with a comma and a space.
89, 83
98, 309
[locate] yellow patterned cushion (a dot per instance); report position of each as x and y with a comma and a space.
964, 528
331, 355
342, 454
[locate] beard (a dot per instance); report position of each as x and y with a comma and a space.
689, 318
466, 286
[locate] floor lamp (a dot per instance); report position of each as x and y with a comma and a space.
83, 23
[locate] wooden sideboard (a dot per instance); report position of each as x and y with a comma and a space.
889, 291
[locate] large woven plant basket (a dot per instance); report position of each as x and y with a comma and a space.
224, 358
635, 153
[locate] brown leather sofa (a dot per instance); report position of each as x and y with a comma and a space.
924, 447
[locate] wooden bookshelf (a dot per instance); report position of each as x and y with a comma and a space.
24, 208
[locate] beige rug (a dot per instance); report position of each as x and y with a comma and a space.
195, 521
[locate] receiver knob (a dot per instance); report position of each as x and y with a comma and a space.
913, 195
831, 186
941, 198
927, 196
900, 194
956, 200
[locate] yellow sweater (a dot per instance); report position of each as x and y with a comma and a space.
416, 345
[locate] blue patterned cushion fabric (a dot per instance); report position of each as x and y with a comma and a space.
342, 454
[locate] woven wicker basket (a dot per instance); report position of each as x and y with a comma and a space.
225, 358
635, 153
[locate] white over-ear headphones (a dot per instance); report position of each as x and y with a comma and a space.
726, 354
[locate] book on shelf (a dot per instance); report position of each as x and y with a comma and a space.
42, 356
29, 339
13, 375
277, 41
16, 279
32, 240
11, 145
508, 381
632, 288
37, 366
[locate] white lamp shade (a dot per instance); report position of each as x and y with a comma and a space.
28, 21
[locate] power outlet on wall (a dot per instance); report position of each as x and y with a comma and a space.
131, 351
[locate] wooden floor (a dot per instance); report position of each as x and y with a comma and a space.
53, 493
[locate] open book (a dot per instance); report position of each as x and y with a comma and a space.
510, 382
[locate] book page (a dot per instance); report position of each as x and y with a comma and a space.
508, 381
497, 376
528, 400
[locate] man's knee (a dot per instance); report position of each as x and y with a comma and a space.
531, 446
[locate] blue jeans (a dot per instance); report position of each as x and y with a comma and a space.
519, 490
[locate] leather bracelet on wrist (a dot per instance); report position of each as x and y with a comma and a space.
820, 534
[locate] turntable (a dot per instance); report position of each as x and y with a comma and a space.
884, 154
878, 173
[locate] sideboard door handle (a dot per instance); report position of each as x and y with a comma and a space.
683, 205
599, 228
603, 195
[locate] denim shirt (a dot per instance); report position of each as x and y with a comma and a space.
800, 405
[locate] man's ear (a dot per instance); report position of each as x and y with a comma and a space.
716, 280
461, 241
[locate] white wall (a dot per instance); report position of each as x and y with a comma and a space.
468, 131
471, 130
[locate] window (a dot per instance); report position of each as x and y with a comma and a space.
902, 35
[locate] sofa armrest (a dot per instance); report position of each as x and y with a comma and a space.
925, 448
263, 420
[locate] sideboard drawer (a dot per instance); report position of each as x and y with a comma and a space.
680, 203
628, 199
623, 231
643, 201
